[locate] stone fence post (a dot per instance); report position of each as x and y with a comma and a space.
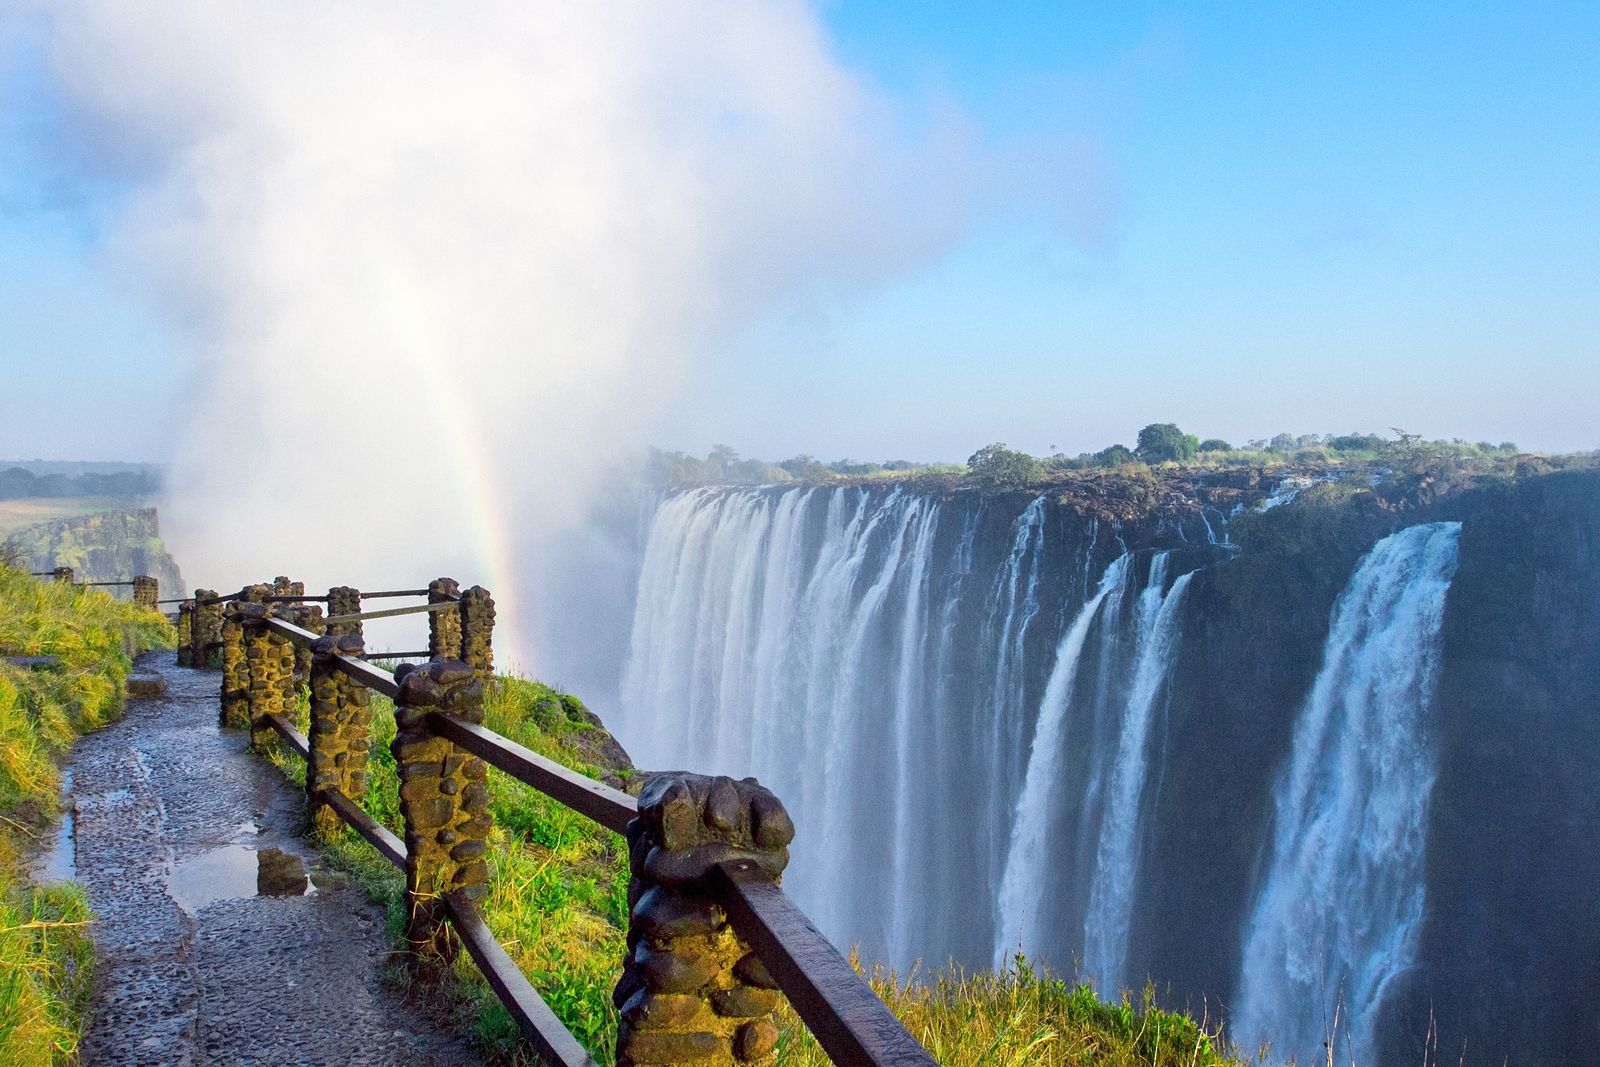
341, 730
270, 662
146, 591
63, 574
477, 632
444, 627
200, 632
444, 801
185, 633
344, 600
691, 991
235, 711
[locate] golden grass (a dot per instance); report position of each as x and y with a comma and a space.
46, 957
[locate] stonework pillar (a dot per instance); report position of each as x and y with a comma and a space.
185, 626
344, 600
200, 627
146, 591
691, 991
444, 627
270, 662
477, 632
341, 730
63, 574
235, 712
445, 803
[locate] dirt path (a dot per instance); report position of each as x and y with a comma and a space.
169, 814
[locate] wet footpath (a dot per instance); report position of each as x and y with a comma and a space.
213, 948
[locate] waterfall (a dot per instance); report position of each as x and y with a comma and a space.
1338, 912
1132, 654
1111, 893
1019, 925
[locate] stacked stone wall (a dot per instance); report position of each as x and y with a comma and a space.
444, 799
477, 631
270, 662
691, 990
185, 627
444, 627
341, 730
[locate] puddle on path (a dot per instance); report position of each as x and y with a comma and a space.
58, 863
235, 870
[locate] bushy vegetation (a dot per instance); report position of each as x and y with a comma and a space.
46, 958
558, 903
998, 468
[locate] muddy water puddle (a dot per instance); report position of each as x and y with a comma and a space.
57, 862
243, 867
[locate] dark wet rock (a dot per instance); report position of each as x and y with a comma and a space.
280, 874
146, 684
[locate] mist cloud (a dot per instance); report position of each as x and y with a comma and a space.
436, 264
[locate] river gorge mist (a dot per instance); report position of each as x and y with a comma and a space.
1310, 772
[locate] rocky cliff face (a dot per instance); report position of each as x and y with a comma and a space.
1511, 925
905, 642
107, 546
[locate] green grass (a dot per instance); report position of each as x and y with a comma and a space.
558, 904
46, 956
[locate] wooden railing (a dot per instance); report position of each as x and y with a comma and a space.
146, 590
705, 853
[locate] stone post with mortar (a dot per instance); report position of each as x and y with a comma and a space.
444, 627
444, 800
185, 625
344, 600
341, 730
691, 991
207, 626
477, 631
235, 672
270, 661
199, 632
146, 591
63, 574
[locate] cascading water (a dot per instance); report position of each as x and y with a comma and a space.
1133, 657
1111, 893
906, 679
1020, 926
1339, 910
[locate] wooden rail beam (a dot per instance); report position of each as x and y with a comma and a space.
374, 678
376, 834
294, 738
850, 1022
539, 1024
611, 808
394, 592
415, 609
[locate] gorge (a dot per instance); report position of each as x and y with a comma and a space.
1317, 757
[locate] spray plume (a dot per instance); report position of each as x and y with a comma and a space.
437, 264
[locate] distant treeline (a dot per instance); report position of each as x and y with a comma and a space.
996, 466
21, 483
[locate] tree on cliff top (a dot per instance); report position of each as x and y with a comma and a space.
996, 467
1162, 441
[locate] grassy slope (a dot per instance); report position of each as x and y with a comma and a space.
558, 904
45, 952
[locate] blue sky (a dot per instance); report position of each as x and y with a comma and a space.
1269, 217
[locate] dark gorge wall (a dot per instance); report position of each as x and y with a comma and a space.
892, 663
